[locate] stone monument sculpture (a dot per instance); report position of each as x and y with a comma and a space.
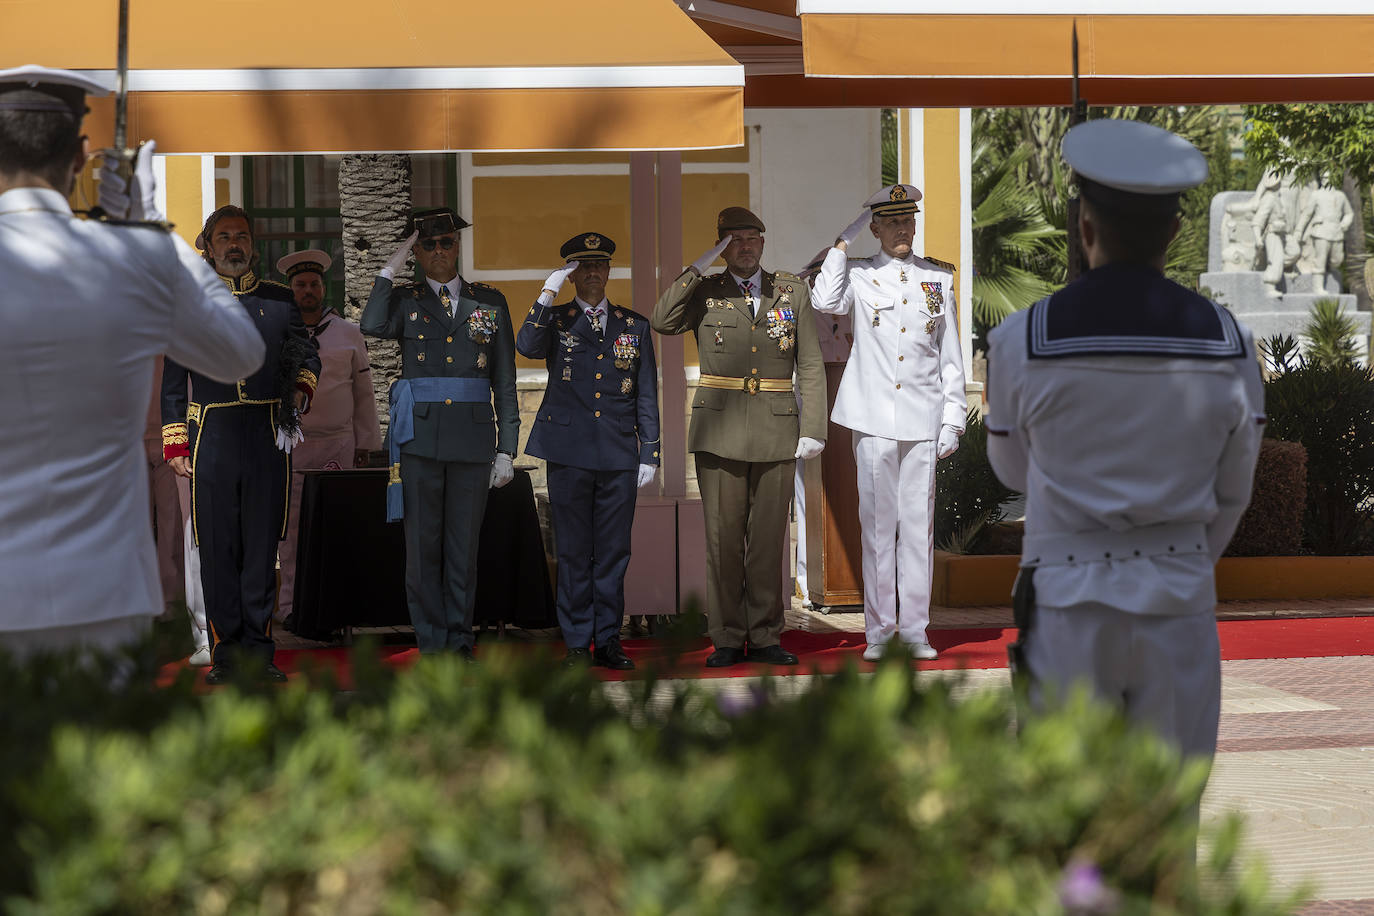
1273, 252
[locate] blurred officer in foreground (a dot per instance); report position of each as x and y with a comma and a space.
342, 426
234, 441
902, 394
753, 329
447, 448
1129, 410
598, 429
87, 308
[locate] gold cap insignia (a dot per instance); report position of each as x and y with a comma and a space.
898, 193
592, 241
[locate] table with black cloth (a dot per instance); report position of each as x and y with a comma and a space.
350, 564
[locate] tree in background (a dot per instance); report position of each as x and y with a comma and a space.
1323, 142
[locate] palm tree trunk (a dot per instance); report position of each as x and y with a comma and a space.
1355, 253
374, 200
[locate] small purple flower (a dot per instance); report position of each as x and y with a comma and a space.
1082, 892
733, 705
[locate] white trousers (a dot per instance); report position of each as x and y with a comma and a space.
1163, 672
101, 636
897, 522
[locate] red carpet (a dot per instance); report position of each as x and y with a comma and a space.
1314, 637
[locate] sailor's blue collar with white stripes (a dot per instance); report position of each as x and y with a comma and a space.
1130, 310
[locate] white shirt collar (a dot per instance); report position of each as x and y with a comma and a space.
601, 306
883, 259
18, 200
454, 286
756, 280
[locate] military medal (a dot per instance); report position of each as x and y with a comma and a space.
567, 373
629, 322
902, 275
720, 341
781, 322
625, 348
426, 319
935, 297
481, 360
414, 315
481, 326
627, 385
875, 319
930, 326
619, 314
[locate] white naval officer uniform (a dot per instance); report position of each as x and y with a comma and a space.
77, 561
1129, 410
904, 380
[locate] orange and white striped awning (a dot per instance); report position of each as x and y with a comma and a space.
1014, 52
263, 76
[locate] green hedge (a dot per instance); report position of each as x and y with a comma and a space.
1272, 523
516, 787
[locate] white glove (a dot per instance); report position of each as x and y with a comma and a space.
135, 199
851, 232
555, 282
646, 475
398, 257
287, 441
502, 470
701, 264
808, 447
949, 442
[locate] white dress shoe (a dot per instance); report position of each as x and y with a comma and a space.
922, 650
874, 651
201, 657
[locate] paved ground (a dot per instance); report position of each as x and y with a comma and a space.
1296, 751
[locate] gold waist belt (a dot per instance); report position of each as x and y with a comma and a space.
753, 385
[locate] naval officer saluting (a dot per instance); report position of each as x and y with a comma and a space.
598, 429
1129, 410
447, 446
902, 394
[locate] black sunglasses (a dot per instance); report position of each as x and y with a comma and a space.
429, 244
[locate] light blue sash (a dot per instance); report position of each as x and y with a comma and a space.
405, 394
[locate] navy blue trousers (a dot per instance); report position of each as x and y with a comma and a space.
593, 512
238, 500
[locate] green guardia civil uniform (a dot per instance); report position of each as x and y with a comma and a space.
744, 431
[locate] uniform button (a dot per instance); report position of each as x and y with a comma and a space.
753, 349
601, 356
448, 400
597, 395
598, 413
422, 337
900, 358
899, 384
754, 371
598, 375
903, 330
450, 359
655, 454
904, 300
448, 340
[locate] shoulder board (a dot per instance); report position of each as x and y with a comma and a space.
943, 265
480, 285
786, 275
719, 276
277, 283
483, 292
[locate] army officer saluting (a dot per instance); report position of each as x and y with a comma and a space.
598, 429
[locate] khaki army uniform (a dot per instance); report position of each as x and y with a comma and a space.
744, 431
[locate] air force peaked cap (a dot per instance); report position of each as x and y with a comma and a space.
587, 246
895, 200
1131, 164
35, 88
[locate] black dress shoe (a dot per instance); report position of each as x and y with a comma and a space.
577, 658
771, 655
218, 674
271, 672
612, 656
724, 657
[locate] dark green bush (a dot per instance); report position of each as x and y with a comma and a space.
517, 787
1329, 409
1272, 523
968, 495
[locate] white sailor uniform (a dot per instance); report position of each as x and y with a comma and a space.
1129, 410
903, 381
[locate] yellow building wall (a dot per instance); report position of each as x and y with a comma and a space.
940, 202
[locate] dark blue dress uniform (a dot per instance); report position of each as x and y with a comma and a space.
445, 469
240, 479
598, 422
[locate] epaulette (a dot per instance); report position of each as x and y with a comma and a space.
786, 275
943, 265
483, 289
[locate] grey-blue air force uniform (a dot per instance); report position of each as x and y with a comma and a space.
443, 437
240, 478
598, 422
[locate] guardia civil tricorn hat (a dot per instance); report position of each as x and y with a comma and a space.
435, 221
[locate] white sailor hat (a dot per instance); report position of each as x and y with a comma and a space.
1131, 164
298, 262
895, 200
35, 88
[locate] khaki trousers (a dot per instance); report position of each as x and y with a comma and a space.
745, 505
